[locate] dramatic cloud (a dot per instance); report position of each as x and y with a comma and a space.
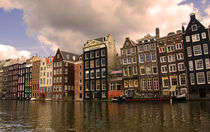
68, 24
7, 52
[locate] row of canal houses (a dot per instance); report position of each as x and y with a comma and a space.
151, 67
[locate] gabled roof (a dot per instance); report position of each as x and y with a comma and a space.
69, 56
193, 20
129, 43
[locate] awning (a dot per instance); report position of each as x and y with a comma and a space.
173, 88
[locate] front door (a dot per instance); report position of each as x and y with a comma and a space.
130, 93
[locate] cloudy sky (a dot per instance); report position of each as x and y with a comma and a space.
30, 27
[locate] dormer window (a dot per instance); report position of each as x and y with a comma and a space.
67, 56
194, 27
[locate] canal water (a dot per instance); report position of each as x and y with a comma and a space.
104, 116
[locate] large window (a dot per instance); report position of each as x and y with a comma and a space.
142, 70
125, 83
163, 59
200, 78
154, 69
189, 51
155, 81
170, 48
162, 49
86, 85
199, 64
141, 58
129, 60
86, 55
135, 70
153, 55
124, 71
148, 69
195, 37
205, 48
87, 64
86, 74
152, 46
165, 81
98, 85
178, 46
103, 63
208, 77
147, 57
171, 58
182, 79
149, 83
97, 73
92, 64
181, 66
164, 69
92, 74
103, 72
112, 86
174, 81
146, 47
103, 83
97, 62
197, 50
134, 59
141, 48
92, 54
207, 61
172, 68
192, 78
191, 67
180, 56
143, 84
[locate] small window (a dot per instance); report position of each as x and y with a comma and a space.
187, 38
191, 67
194, 27
189, 51
207, 61
203, 35
164, 69
205, 48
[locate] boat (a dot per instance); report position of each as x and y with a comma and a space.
120, 99
179, 98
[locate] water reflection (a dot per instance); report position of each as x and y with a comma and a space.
103, 116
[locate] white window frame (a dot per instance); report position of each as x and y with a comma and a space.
192, 78
163, 82
187, 38
207, 63
197, 75
171, 80
189, 51
195, 37
170, 49
181, 65
205, 49
180, 82
171, 58
140, 61
197, 67
178, 46
163, 59
208, 76
165, 69
191, 67
180, 56
197, 48
171, 66
203, 35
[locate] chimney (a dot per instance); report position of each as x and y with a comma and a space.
192, 16
183, 30
157, 33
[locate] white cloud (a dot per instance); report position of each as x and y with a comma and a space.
7, 52
203, 1
68, 24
